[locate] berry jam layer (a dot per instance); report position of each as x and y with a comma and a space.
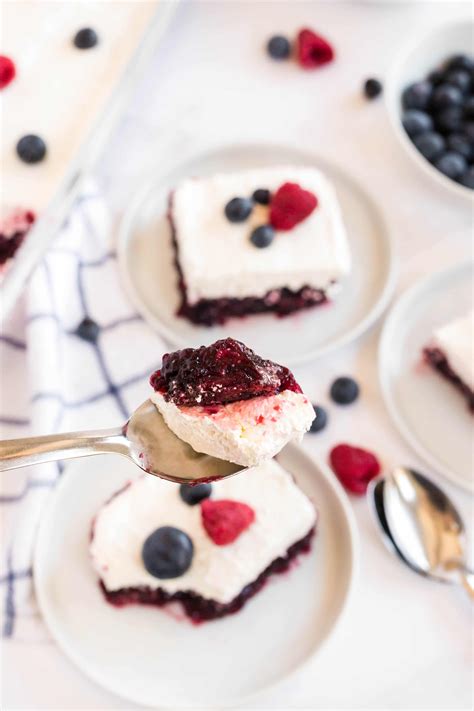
224, 372
13, 231
209, 312
436, 358
200, 609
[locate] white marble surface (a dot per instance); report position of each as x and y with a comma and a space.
405, 643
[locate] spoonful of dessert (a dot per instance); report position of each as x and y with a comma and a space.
214, 411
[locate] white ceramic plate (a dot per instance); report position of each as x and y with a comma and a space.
414, 63
146, 262
429, 412
151, 658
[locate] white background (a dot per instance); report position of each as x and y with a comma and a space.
404, 642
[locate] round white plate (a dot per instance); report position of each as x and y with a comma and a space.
147, 655
146, 260
414, 63
429, 412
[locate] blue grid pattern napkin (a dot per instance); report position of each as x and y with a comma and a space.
52, 380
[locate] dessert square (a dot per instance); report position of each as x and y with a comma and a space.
451, 353
231, 557
223, 274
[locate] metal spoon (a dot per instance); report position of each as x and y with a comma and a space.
145, 439
426, 527
376, 504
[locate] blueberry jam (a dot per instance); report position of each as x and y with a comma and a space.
226, 371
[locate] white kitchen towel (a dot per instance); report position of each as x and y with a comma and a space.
53, 379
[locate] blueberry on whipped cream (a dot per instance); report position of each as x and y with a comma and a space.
226, 401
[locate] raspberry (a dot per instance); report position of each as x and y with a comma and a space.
224, 520
313, 50
291, 205
7, 71
354, 467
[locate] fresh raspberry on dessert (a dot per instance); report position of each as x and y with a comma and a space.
313, 50
354, 467
290, 205
225, 520
224, 372
7, 71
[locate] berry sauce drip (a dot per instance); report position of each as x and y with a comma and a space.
226, 371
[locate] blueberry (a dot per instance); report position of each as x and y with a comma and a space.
467, 179
415, 122
430, 144
262, 236
320, 421
460, 78
262, 196
468, 130
238, 209
88, 330
279, 47
460, 61
461, 144
31, 149
469, 107
446, 95
194, 494
372, 88
453, 165
167, 552
86, 38
436, 77
344, 391
417, 96
449, 119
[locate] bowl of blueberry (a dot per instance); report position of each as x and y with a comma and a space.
430, 96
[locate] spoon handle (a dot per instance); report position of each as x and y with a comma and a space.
24, 452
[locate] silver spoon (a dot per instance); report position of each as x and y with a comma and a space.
426, 527
145, 439
376, 504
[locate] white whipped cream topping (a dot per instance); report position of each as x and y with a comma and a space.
283, 516
246, 432
217, 257
59, 90
456, 340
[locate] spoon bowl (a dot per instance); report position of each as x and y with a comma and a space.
145, 439
424, 525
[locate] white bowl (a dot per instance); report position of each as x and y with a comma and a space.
413, 65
